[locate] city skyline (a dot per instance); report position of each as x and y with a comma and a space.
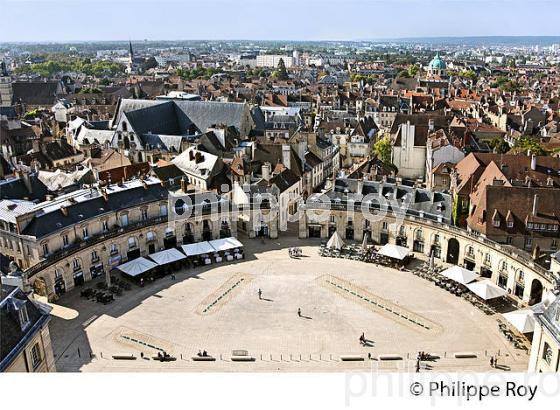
55, 21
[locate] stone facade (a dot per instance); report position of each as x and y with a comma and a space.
514, 271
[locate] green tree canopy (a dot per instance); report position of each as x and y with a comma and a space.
499, 145
281, 73
527, 143
382, 148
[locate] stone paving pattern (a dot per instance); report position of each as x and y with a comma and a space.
168, 312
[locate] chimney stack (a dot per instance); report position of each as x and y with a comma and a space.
535, 204
266, 170
533, 162
286, 156
183, 185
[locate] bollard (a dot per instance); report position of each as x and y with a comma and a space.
300, 357
281, 357
101, 353
261, 356
271, 357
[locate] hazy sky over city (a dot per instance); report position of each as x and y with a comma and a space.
66, 20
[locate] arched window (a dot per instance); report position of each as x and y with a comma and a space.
132, 243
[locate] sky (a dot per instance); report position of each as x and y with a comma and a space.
83, 20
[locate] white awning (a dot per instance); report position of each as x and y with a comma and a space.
225, 244
335, 242
523, 320
137, 266
199, 248
167, 256
394, 251
460, 275
486, 289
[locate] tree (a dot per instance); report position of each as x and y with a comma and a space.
281, 73
382, 148
412, 70
499, 145
527, 143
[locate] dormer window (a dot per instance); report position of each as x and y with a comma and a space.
23, 317
510, 224
496, 223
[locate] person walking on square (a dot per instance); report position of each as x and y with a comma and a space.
496, 361
260, 293
491, 361
299, 312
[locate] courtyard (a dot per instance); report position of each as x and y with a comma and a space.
217, 308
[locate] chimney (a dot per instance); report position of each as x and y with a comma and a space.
24, 175
431, 125
266, 168
36, 144
535, 204
534, 162
183, 185
286, 156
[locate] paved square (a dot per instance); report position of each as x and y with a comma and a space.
170, 315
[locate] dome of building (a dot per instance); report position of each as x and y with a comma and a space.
437, 63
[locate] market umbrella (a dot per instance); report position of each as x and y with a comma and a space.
523, 320
460, 275
335, 242
486, 289
137, 266
394, 251
365, 242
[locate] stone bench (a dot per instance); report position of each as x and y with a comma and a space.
203, 359
465, 355
242, 359
124, 357
352, 358
387, 357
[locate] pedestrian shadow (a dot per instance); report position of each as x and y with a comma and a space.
306, 317
503, 367
267, 300
368, 343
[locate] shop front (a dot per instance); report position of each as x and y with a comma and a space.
97, 270
78, 278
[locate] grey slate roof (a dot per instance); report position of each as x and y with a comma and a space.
46, 223
176, 117
415, 201
285, 179
16, 189
14, 338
